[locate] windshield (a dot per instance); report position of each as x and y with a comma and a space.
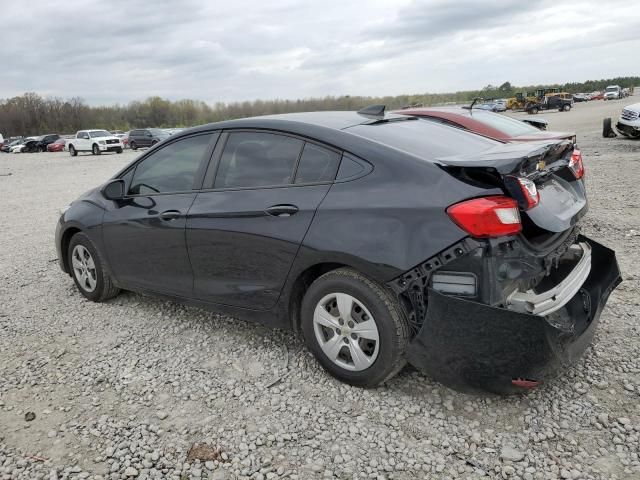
424, 139
612, 89
508, 125
99, 133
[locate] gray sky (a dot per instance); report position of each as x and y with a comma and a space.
123, 50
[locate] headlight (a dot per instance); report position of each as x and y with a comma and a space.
64, 209
102, 142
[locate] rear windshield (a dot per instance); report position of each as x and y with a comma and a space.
508, 125
423, 138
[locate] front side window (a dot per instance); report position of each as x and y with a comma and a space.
172, 168
317, 164
255, 159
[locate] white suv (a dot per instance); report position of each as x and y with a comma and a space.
94, 141
629, 121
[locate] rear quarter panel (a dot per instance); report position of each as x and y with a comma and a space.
389, 220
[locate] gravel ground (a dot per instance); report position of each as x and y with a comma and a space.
141, 388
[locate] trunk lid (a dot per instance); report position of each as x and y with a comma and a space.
562, 197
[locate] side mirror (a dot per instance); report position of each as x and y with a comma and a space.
114, 190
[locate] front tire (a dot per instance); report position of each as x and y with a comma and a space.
95, 150
87, 268
356, 328
566, 108
133, 146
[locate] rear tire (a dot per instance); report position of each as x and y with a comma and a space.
88, 270
72, 151
95, 150
534, 110
355, 327
119, 150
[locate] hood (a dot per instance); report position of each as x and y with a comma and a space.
634, 107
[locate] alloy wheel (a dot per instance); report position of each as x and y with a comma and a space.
346, 331
84, 268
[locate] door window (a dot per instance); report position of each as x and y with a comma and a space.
256, 159
317, 164
172, 168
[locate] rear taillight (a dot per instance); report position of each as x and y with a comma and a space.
576, 165
529, 192
485, 217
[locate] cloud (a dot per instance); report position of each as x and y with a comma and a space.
131, 49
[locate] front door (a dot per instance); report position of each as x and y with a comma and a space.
144, 235
243, 235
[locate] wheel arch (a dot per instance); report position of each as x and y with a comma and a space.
301, 284
65, 240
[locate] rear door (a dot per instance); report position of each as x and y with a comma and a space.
144, 235
244, 232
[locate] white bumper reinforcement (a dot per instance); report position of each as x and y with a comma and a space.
557, 297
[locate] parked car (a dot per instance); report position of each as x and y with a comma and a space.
499, 127
382, 238
492, 107
8, 143
581, 97
1, 141
57, 146
549, 102
146, 137
597, 96
124, 139
94, 141
25, 145
629, 121
45, 140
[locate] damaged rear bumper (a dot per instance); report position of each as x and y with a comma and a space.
470, 345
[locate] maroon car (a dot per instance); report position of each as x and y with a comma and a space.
57, 146
489, 124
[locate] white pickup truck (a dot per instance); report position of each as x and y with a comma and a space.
94, 141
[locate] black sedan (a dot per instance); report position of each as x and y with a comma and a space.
382, 238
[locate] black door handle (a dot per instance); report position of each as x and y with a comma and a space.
282, 210
169, 215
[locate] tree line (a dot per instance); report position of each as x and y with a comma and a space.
32, 114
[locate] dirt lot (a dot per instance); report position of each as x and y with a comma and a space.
124, 389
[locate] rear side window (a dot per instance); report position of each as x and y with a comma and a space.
424, 139
256, 159
317, 164
172, 168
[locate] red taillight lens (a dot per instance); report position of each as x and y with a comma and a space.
576, 165
487, 217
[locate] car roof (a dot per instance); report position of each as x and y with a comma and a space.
337, 120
